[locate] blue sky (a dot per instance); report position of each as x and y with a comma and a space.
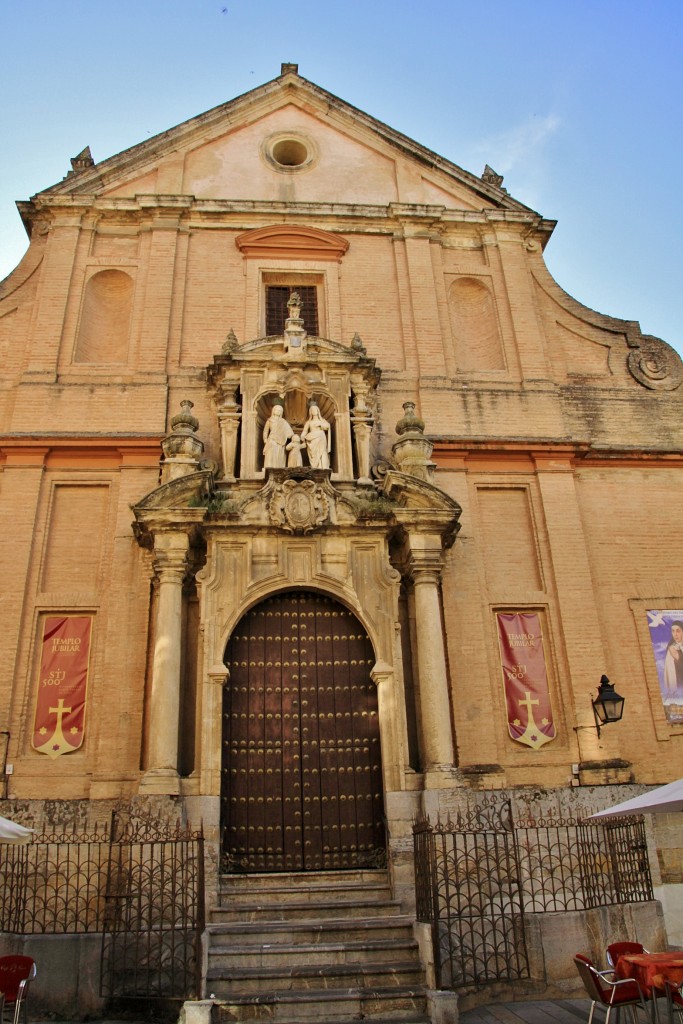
577, 103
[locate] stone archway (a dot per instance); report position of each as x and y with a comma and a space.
301, 774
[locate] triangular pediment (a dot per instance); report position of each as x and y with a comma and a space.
233, 152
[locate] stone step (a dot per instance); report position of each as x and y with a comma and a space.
282, 892
309, 977
234, 956
305, 879
288, 910
310, 931
403, 1004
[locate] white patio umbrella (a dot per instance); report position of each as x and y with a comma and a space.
11, 832
663, 800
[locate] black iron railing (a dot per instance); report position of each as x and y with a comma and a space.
55, 884
154, 914
137, 881
479, 874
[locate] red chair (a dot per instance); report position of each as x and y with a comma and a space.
16, 974
611, 994
617, 949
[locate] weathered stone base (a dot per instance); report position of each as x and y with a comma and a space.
67, 983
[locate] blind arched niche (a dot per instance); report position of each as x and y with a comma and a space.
104, 327
474, 323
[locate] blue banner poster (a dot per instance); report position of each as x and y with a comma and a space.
666, 635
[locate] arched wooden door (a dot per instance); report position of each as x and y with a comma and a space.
301, 780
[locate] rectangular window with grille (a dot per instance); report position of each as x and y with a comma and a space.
277, 297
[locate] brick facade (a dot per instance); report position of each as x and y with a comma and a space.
557, 430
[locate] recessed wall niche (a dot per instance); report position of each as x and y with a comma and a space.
474, 322
104, 327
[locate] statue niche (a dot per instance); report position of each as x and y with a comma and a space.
295, 431
325, 394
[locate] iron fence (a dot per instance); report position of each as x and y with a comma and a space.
569, 864
477, 876
55, 884
137, 881
154, 917
467, 877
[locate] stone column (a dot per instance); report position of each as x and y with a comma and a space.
164, 703
435, 709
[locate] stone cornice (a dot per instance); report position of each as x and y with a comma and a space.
454, 452
236, 214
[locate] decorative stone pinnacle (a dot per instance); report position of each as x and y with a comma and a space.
357, 344
491, 178
81, 162
409, 422
289, 69
185, 422
230, 343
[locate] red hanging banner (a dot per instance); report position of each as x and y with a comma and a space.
62, 684
529, 714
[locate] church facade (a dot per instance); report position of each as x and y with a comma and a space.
323, 506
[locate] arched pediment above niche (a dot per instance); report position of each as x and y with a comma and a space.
290, 242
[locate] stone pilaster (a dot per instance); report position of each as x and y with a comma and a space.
229, 416
171, 550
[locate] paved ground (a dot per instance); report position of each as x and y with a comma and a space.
537, 1011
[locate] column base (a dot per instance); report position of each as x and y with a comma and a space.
161, 781
439, 776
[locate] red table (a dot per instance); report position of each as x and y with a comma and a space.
651, 971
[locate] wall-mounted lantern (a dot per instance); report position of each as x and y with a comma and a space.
608, 706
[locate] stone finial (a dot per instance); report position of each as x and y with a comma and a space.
81, 162
491, 178
409, 422
357, 344
412, 451
289, 69
182, 448
230, 343
184, 422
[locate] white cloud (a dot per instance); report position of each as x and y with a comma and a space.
520, 145
518, 153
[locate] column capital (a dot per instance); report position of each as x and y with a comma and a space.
422, 573
170, 556
423, 557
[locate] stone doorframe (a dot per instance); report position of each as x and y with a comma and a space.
355, 559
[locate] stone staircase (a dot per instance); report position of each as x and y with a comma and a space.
293, 948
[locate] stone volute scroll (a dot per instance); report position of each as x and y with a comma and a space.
654, 364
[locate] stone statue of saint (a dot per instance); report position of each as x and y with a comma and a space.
276, 434
295, 448
316, 434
